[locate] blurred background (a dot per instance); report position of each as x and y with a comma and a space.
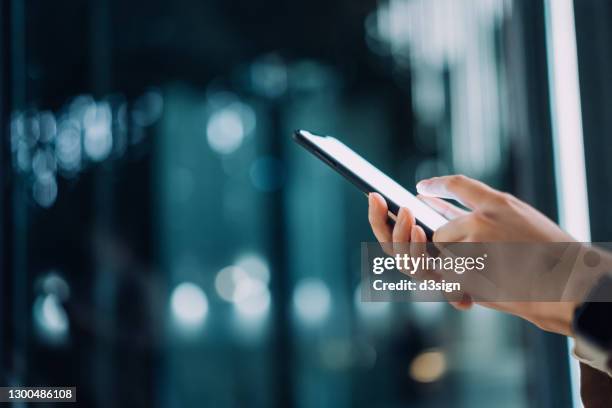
165, 243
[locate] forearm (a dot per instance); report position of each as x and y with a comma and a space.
590, 265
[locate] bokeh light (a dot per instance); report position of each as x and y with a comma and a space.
269, 76
54, 284
45, 144
44, 190
312, 301
48, 127
429, 366
98, 140
252, 300
68, 148
226, 282
255, 266
247, 290
189, 305
50, 318
43, 162
370, 310
228, 125
148, 108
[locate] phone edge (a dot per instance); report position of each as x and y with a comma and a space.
351, 177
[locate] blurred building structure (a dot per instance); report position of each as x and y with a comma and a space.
164, 243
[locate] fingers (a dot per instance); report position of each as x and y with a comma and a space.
418, 242
377, 215
445, 208
401, 232
406, 229
418, 234
456, 230
461, 188
465, 303
403, 226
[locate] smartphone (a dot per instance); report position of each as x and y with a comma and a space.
369, 179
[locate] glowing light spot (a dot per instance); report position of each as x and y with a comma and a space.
226, 282
269, 76
50, 318
248, 292
43, 162
48, 127
312, 301
148, 108
54, 284
255, 266
98, 137
253, 300
44, 190
228, 126
68, 148
428, 366
370, 310
189, 305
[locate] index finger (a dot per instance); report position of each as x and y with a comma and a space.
377, 215
457, 187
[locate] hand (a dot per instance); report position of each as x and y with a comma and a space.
497, 216
405, 230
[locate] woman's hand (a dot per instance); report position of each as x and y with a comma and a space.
494, 216
404, 231
405, 228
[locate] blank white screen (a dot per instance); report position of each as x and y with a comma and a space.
377, 179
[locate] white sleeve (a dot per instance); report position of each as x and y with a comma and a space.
590, 354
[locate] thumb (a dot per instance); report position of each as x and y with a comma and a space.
466, 190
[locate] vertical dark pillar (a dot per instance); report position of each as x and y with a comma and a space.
281, 281
17, 208
103, 285
5, 343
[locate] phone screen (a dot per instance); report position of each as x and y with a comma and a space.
373, 177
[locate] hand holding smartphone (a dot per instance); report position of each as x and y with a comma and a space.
369, 179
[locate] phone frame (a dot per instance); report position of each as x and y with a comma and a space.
362, 185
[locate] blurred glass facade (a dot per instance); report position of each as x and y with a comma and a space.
165, 244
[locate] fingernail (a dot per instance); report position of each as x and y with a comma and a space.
413, 234
380, 201
422, 185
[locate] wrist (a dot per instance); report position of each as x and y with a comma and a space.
556, 317
565, 317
